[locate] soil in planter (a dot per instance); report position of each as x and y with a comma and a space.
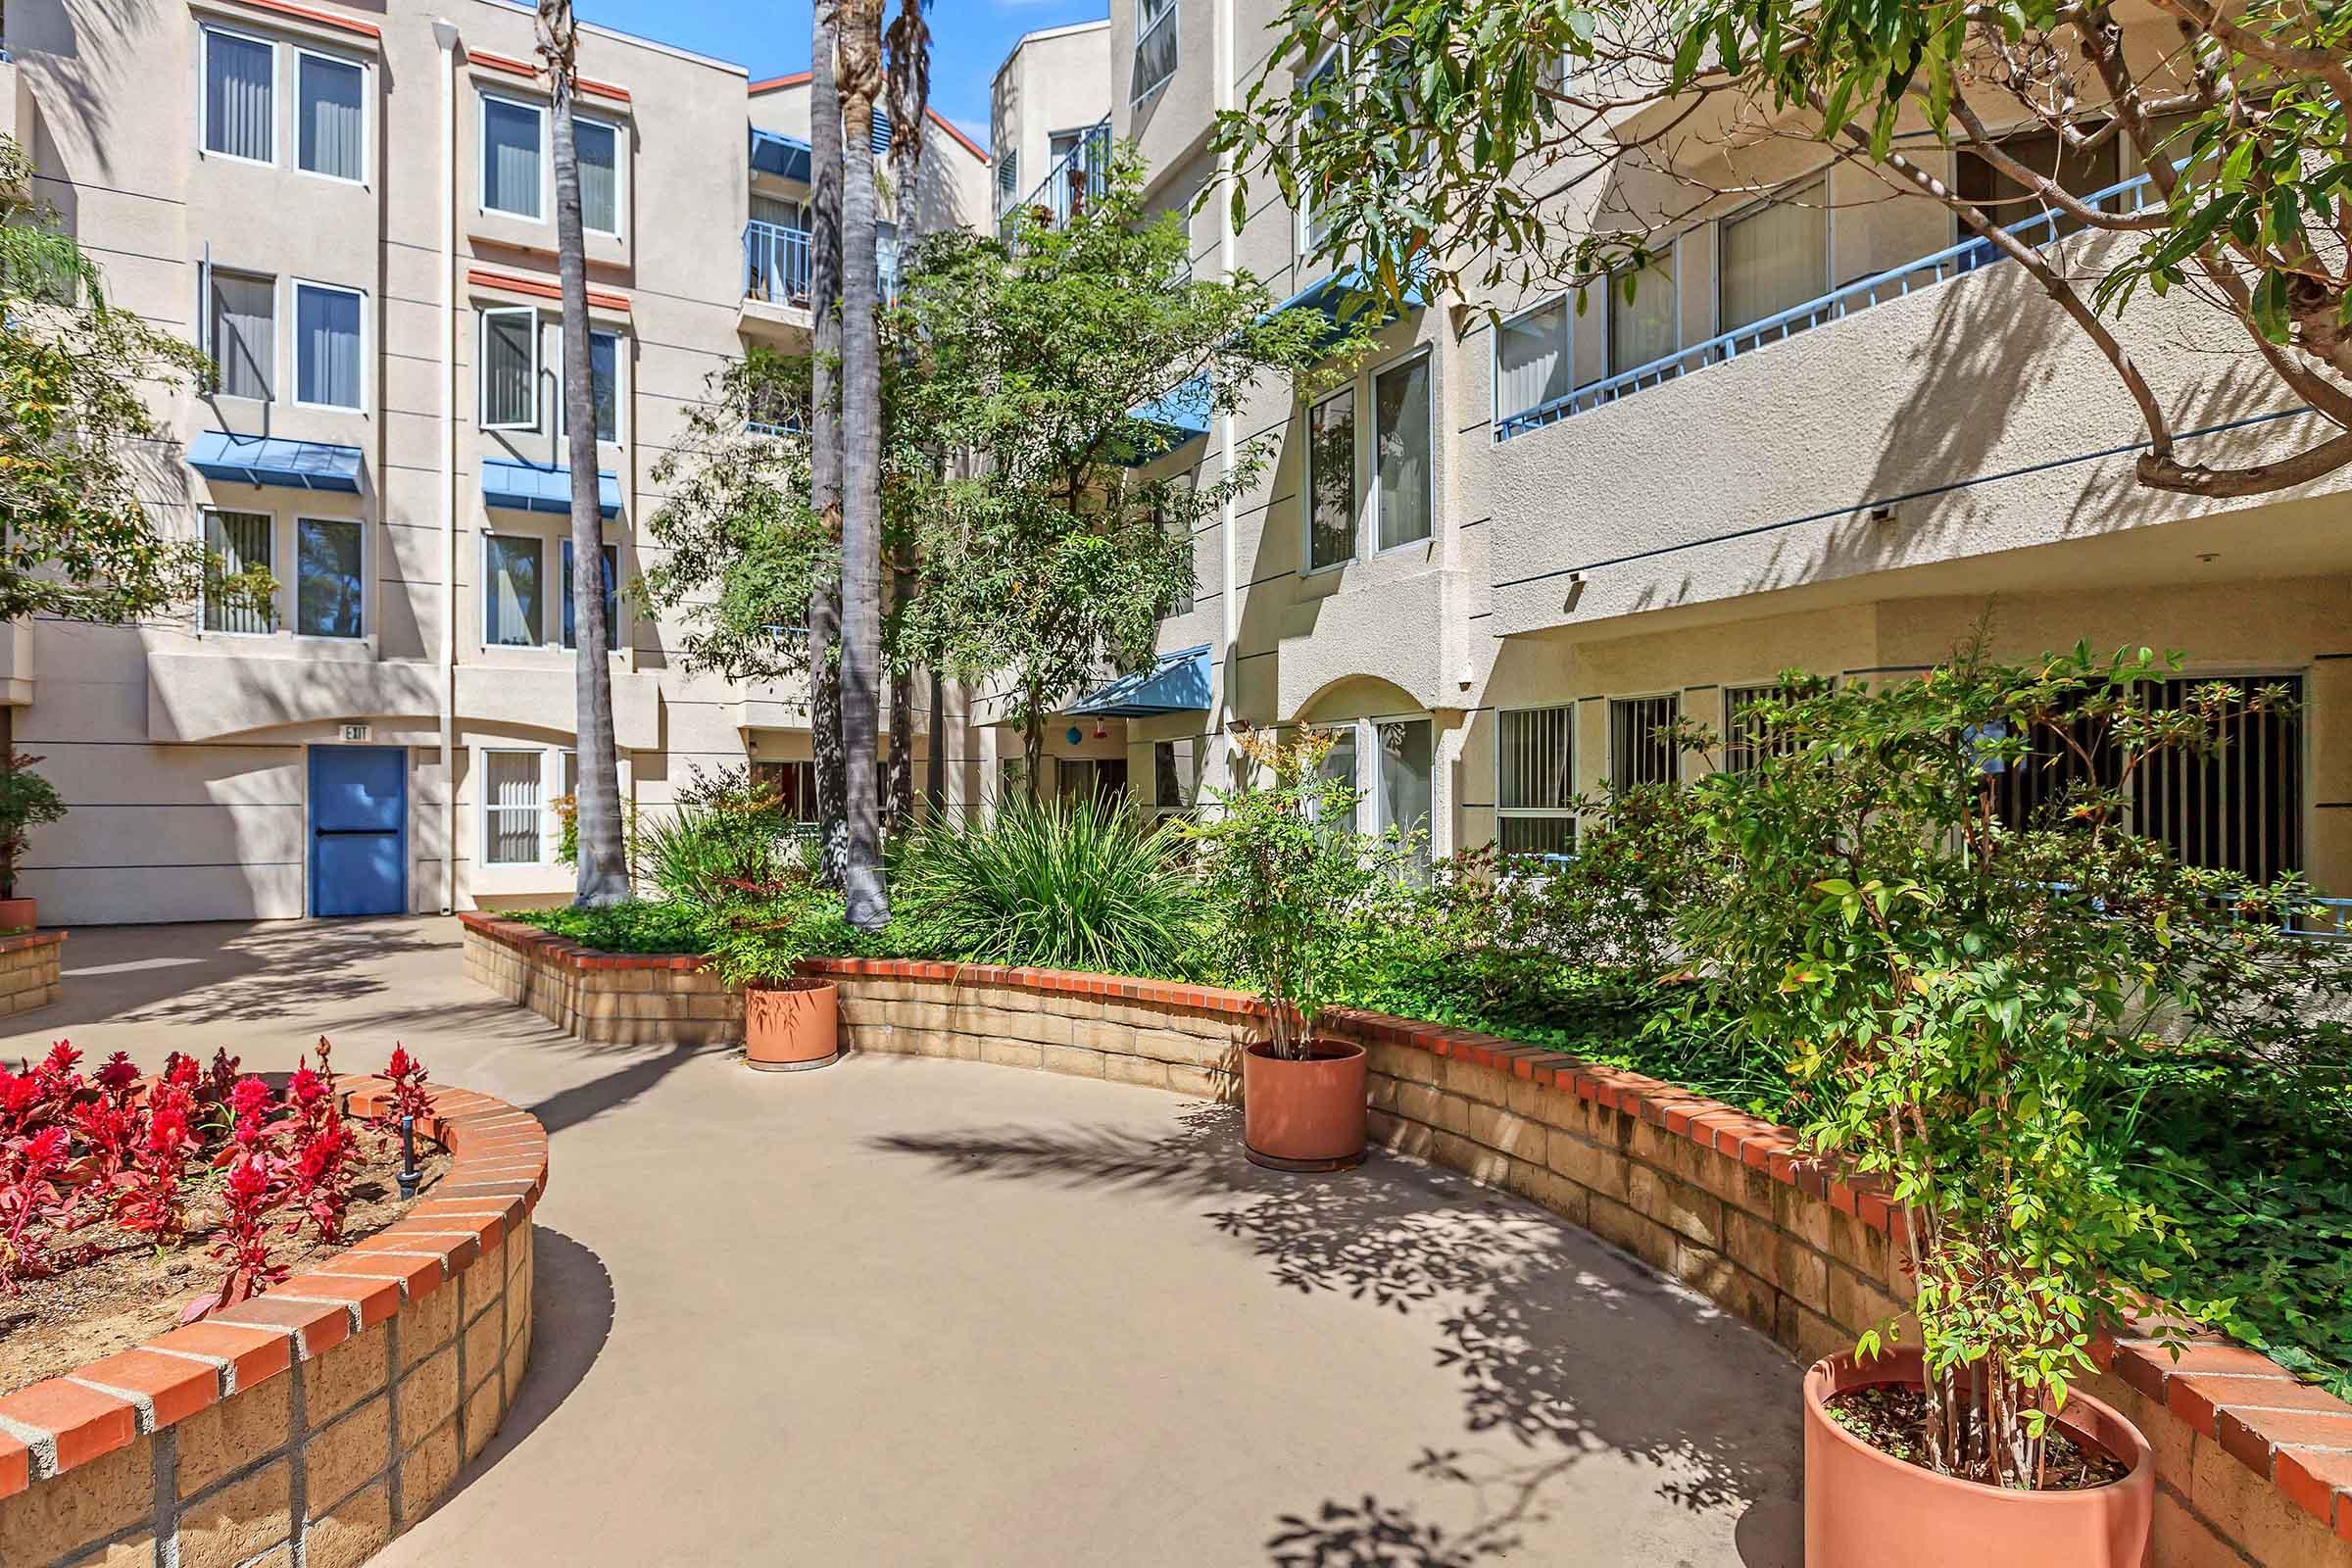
129, 1292
1892, 1419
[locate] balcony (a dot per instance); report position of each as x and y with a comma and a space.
1970, 255
777, 265
1075, 179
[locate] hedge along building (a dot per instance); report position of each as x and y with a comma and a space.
352, 208
1826, 435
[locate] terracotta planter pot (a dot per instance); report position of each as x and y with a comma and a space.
1859, 1501
18, 914
1304, 1115
793, 1026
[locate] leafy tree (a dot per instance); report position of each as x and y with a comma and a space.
75, 376
1051, 558
1963, 1002
1461, 136
602, 859
27, 799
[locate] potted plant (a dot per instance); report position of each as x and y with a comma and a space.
1294, 885
1959, 998
27, 799
758, 941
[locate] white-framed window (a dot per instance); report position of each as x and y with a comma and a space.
1773, 255
513, 589
243, 333
1647, 326
1387, 763
238, 105
331, 117
1403, 487
604, 380
1642, 746
1534, 780
1330, 505
331, 329
1313, 221
514, 156
330, 578
507, 352
1532, 363
1174, 778
612, 637
601, 147
514, 818
1154, 48
241, 541
1009, 178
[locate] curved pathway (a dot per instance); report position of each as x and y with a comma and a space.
915, 1312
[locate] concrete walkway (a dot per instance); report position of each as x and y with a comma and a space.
905, 1313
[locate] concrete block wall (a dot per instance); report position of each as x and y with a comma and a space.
309, 1425
29, 970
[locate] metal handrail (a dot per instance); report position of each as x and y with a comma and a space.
1968, 256
1075, 179
776, 265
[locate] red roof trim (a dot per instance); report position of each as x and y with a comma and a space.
794, 80
326, 18
542, 287
524, 68
969, 145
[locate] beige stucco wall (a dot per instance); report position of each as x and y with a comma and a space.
1055, 79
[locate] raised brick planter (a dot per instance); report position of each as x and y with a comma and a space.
311, 1423
2251, 1465
611, 998
28, 965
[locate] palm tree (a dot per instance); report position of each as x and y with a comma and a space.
825, 432
603, 876
868, 903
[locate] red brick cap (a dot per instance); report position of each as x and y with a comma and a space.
54, 1425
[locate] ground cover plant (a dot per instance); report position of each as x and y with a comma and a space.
128, 1202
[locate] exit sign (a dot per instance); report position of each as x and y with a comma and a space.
354, 732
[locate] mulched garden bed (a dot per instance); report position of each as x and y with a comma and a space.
1892, 1419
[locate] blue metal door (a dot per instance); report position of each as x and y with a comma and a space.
359, 830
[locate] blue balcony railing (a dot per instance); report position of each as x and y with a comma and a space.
776, 265
2043, 228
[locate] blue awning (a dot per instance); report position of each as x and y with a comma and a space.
273, 460
785, 157
527, 487
1174, 683
1345, 295
1175, 418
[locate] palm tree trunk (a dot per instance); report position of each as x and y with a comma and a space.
867, 905
602, 865
899, 777
824, 431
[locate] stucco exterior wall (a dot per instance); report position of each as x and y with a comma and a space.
1056, 80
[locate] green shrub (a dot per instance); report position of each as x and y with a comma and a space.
727, 837
642, 925
1055, 884
27, 799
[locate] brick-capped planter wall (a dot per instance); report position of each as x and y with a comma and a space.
315, 1423
611, 998
29, 966
2252, 1466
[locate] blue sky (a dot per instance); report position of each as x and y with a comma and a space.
969, 38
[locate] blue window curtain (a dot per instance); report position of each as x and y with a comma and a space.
511, 158
239, 96
327, 346
241, 541
572, 638
331, 116
329, 577
510, 591
245, 334
598, 149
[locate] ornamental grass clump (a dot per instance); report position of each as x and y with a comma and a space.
1295, 893
1054, 884
1962, 1002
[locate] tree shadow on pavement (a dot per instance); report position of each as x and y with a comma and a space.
1562, 1349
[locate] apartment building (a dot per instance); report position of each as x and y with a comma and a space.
1826, 433
351, 208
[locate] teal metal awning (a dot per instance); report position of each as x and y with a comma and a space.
785, 157
1347, 295
1176, 418
527, 487
273, 460
1173, 683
